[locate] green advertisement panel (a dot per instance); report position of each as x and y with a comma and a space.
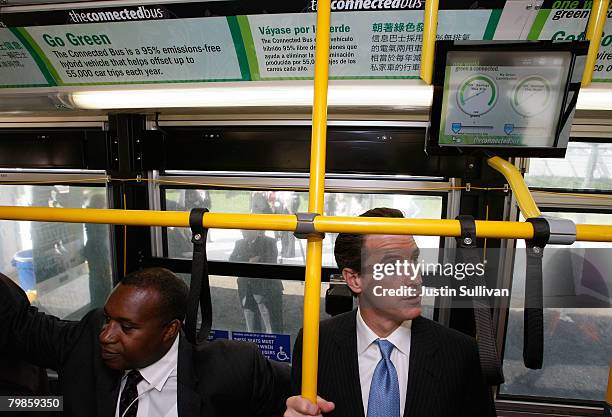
368, 44
362, 45
181, 43
570, 24
186, 50
18, 68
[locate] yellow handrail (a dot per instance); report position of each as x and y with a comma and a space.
430, 27
314, 248
594, 33
287, 222
517, 184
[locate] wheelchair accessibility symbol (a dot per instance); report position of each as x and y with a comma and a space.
282, 355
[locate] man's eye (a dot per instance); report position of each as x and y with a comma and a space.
126, 328
106, 319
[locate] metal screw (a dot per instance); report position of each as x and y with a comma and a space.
197, 236
470, 166
536, 249
467, 240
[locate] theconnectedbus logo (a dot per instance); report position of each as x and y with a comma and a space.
344, 5
117, 15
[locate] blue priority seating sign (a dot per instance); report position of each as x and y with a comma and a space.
276, 347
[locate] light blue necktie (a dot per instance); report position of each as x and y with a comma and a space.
384, 399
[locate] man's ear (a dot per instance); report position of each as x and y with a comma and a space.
172, 329
353, 280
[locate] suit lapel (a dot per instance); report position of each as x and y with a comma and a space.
423, 376
347, 366
189, 400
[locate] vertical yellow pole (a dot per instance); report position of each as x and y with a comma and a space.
312, 291
430, 27
591, 23
595, 27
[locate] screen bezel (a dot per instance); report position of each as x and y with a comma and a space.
432, 146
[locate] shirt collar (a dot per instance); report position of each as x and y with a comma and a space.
158, 373
365, 336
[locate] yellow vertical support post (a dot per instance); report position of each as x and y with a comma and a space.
595, 27
312, 291
430, 28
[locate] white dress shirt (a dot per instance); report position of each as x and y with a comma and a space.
369, 355
157, 391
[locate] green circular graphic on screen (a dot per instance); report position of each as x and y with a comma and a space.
531, 96
477, 95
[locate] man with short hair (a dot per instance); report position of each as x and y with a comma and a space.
384, 359
129, 359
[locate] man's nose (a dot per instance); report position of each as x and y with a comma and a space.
108, 334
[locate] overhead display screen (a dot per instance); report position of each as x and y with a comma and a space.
503, 98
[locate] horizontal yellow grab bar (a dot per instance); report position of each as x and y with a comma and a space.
435, 227
284, 222
421, 227
288, 222
593, 233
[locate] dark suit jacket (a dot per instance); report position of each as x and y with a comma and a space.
264, 248
444, 377
225, 378
18, 377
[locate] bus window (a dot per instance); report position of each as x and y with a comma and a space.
586, 166
259, 305
222, 243
577, 341
65, 268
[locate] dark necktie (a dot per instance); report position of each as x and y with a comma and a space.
129, 395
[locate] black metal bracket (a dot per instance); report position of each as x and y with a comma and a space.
541, 232
468, 232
